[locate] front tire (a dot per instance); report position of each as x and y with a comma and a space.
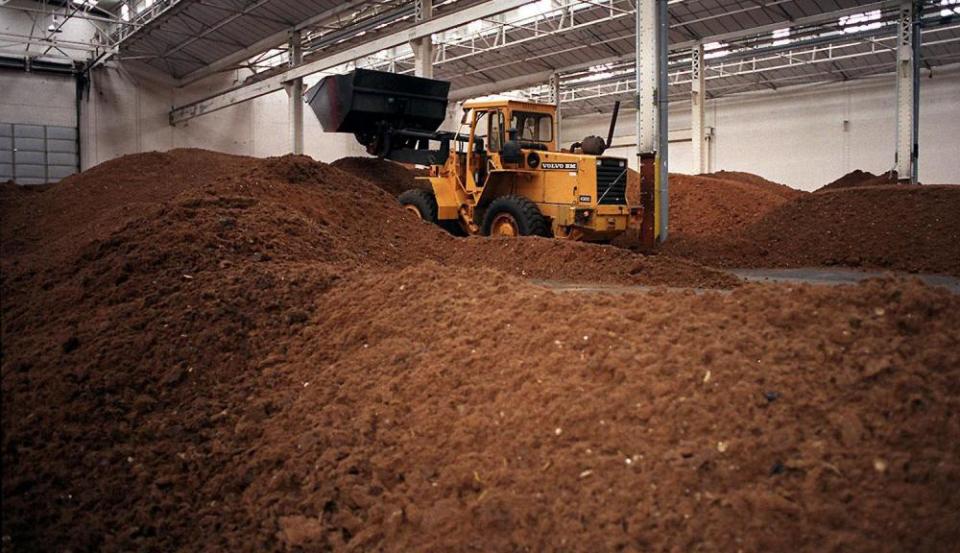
514, 216
420, 202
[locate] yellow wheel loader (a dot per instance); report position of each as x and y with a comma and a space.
504, 175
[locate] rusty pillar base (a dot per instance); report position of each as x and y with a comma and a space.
648, 201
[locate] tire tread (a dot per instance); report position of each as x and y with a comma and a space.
527, 214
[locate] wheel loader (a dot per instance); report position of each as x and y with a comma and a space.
501, 174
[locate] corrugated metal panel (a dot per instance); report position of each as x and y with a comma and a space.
37, 154
195, 34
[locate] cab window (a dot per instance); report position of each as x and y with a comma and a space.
535, 127
495, 132
478, 127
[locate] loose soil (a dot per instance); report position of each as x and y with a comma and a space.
293, 208
708, 205
858, 178
906, 228
766, 185
743, 220
392, 177
211, 352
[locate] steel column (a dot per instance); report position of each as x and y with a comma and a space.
697, 100
555, 100
423, 47
651, 116
646, 76
663, 103
295, 96
908, 105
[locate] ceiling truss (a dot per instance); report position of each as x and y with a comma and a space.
586, 44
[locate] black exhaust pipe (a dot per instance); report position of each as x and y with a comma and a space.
613, 123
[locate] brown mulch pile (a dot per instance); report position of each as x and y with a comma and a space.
905, 228
858, 178
766, 185
280, 406
388, 175
743, 220
706, 205
211, 352
301, 205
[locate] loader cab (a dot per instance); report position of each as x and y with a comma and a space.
493, 125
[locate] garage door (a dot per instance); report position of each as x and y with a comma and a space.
37, 154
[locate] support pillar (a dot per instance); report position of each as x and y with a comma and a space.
663, 104
908, 92
697, 99
422, 47
295, 96
555, 100
651, 116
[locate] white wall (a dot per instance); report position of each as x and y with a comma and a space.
37, 98
796, 136
127, 111
793, 135
73, 40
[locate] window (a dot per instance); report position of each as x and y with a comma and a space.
859, 22
478, 145
945, 8
536, 127
781, 36
496, 131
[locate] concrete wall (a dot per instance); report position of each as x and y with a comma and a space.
796, 135
126, 111
73, 40
37, 98
793, 135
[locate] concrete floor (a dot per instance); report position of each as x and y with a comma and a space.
823, 276
834, 276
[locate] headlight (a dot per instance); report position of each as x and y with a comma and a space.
533, 160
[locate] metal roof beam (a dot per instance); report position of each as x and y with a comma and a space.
537, 78
272, 84
271, 41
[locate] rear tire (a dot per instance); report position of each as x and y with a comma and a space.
421, 202
517, 212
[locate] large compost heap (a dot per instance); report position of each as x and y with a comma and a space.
210, 352
731, 219
746, 224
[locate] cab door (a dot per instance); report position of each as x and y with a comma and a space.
483, 154
495, 137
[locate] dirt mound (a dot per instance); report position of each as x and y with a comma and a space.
646, 428
702, 206
906, 228
750, 178
253, 408
151, 190
392, 177
858, 178
706, 205
346, 220
222, 353
746, 221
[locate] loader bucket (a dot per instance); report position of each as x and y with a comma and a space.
364, 100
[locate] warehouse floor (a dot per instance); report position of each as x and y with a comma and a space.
210, 352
